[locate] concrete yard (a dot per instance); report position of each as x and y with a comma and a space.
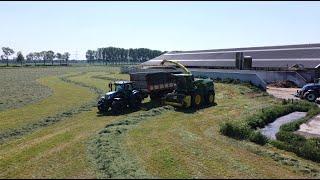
282, 93
311, 128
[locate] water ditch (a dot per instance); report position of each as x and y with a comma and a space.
272, 129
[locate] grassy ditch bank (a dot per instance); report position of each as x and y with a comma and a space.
246, 129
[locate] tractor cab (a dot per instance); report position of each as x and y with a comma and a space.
121, 86
184, 82
120, 96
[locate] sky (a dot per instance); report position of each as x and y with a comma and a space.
76, 27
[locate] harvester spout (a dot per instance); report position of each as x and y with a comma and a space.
177, 64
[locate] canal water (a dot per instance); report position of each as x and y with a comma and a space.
272, 129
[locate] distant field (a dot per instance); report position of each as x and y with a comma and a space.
52, 130
19, 86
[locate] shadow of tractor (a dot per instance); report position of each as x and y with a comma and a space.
144, 107
151, 105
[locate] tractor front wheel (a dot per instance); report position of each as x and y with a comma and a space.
310, 96
102, 107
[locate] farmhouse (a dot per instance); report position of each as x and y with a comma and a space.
260, 65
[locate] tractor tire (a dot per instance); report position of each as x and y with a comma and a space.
155, 97
210, 98
116, 107
102, 106
196, 101
310, 96
136, 103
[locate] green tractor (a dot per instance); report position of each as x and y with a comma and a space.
190, 92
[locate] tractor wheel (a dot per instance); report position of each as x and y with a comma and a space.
136, 103
102, 106
116, 107
196, 100
154, 97
310, 96
210, 98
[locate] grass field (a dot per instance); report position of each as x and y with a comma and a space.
64, 137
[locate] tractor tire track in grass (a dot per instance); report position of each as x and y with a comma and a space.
108, 154
18, 132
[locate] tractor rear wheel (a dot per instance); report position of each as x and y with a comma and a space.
196, 100
116, 107
136, 102
310, 96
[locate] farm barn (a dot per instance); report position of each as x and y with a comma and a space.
260, 65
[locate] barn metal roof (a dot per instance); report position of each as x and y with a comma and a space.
268, 56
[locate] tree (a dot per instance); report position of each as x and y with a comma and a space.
90, 56
37, 56
43, 56
118, 55
7, 52
20, 57
31, 57
66, 56
50, 56
59, 57
2, 57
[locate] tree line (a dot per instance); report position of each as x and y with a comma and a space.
118, 55
34, 56
107, 55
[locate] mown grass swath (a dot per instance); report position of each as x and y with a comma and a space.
152, 142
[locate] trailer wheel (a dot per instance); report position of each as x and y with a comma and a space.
310, 96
